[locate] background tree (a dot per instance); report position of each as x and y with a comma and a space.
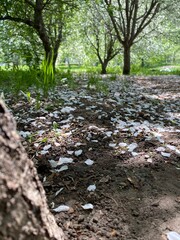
23, 209
99, 33
130, 18
20, 43
40, 16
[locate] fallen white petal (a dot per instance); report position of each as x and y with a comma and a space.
78, 153
134, 154
53, 163
45, 148
164, 154
122, 144
89, 162
112, 145
60, 190
87, 206
64, 160
132, 146
67, 109
40, 132
177, 152
70, 152
173, 236
123, 152
57, 144
78, 144
80, 118
91, 188
149, 160
63, 168
171, 147
61, 208
43, 152
36, 145
160, 149
24, 134
108, 133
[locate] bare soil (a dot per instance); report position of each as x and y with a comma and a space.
137, 192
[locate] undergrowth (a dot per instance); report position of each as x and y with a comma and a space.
38, 82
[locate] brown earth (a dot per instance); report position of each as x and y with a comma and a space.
137, 196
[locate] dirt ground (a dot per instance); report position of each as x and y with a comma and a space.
131, 134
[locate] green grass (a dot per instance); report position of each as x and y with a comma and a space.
160, 70
16, 80
23, 79
135, 70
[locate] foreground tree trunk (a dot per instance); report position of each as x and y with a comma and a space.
24, 213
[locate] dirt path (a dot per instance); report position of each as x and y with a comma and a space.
131, 135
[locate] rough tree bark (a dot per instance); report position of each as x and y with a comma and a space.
127, 59
24, 213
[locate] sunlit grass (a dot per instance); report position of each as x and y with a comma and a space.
43, 79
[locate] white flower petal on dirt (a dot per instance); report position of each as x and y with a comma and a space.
65, 126
108, 133
60, 190
78, 152
80, 118
42, 118
40, 132
78, 144
61, 208
43, 152
160, 140
65, 121
171, 147
53, 163
132, 146
164, 154
36, 145
87, 206
57, 144
123, 152
64, 160
70, 152
134, 154
112, 145
132, 129
177, 152
122, 144
89, 162
63, 168
160, 149
91, 188
47, 147
121, 125
149, 160
24, 134
156, 134
67, 109
173, 236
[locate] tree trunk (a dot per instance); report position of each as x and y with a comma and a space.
127, 58
24, 213
103, 68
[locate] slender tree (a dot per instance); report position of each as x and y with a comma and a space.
130, 18
99, 33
